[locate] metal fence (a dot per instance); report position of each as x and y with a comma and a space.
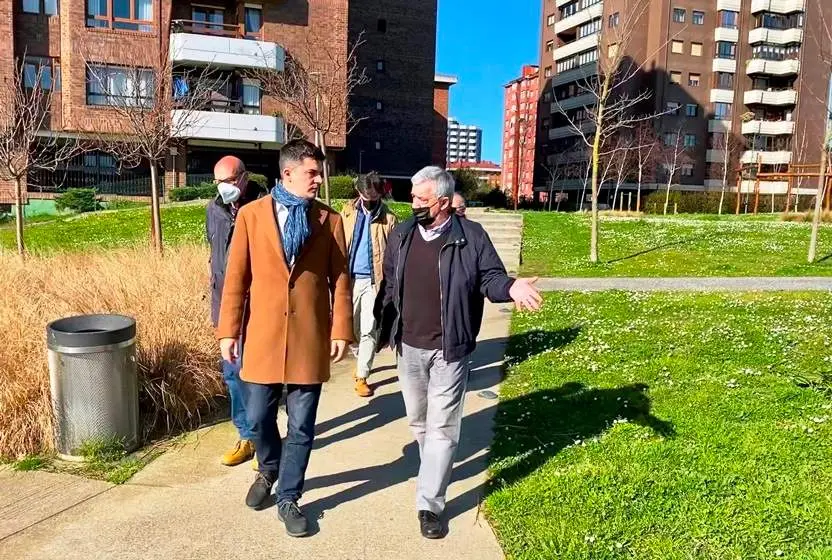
95, 172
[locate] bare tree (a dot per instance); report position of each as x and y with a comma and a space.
157, 108
315, 88
555, 169
730, 150
615, 99
674, 157
647, 149
27, 141
623, 159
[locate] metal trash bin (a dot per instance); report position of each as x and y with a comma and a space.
93, 380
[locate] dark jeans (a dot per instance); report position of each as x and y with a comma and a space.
237, 389
286, 462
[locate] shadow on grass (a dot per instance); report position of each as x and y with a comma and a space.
647, 251
532, 428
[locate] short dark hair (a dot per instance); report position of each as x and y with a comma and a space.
295, 151
369, 182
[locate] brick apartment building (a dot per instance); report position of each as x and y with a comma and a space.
742, 72
487, 172
231, 37
395, 135
519, 132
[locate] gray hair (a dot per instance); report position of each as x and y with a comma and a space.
443, 180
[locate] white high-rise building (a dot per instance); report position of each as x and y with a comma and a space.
464, 142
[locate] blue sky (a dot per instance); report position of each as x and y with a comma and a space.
484, 44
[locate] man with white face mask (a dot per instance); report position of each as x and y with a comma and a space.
234, 191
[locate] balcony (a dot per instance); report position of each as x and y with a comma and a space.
579, 18
727, 34
576, 47
775, 36
716, 125
575, 74
722, 96
776, 98
222, 46
233, 127
729, 5
778, 6
768, 128
715, 156
766, 187
773, 67
725, 65
585, 100
768, 158
567, 131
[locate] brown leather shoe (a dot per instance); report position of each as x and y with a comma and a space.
361, 388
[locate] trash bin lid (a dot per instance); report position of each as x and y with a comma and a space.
86, 331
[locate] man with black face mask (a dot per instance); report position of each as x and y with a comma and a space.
367, 223
438, 270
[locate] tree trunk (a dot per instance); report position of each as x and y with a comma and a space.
326, 172
638, 192
155, 214
18, 215
667, 194
813, 240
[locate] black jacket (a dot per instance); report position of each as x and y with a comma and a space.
219, 225
469, 271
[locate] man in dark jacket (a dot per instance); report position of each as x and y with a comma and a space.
235, 190
438, 270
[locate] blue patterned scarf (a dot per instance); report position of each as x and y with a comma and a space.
296, 231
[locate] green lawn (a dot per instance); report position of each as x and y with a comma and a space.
180, 223
666, 427
557, 244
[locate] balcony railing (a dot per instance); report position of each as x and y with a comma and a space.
230, 30
771, 97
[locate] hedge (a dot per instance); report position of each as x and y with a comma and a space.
78, 200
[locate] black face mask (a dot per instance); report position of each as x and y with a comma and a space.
423, 217
370, 205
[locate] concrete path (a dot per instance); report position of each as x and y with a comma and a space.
791, 284
359, 493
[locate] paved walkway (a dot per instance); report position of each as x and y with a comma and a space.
749, 284
360, 489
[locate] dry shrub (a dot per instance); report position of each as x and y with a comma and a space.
176, 351
800, 217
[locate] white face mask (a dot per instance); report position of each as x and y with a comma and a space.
229, 192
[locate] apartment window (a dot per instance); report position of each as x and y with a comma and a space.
48, 7
698, 18
724, 80
670, 138
546, 123
590, 28
254, 21
207, 18
723, 111
677, 47
728, 19
381, 25
694, 79
379, 66
726, 49
45, 69
612, 50
673, 107
676, 77
127, 15
691, 110
547, 97
251, 97
547, 72
550, 21
116, 85
679, 15
686, 170
379, 106
690, 140
550, 45
587, 57
775, 52
696, 49
615, 19
378, 145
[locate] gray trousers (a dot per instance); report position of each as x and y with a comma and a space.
434, 393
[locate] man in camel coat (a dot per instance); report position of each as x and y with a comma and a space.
288, 261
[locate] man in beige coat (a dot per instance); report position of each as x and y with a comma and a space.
367, 223
287, 291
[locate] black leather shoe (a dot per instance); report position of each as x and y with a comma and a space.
260, 492
289, 513
430, 525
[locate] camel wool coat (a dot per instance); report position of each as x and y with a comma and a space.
292, 313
